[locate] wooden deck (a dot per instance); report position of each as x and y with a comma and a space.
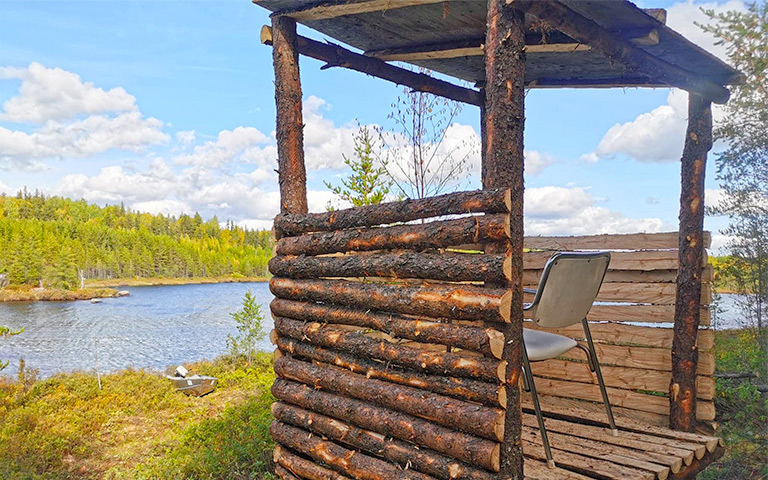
583, 448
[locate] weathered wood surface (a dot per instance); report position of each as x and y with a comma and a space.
698, 142
305, 468
619, 377
488, 341
284, 474
532, 277
444, 363
621, 334
641, 357
325, 11
630, 241
637, 60
637, 313
491, 394
403, 454
641, 260
345, 461
622, 398
457, 267
473, 450
289, 130
468, 417
449, 301
435, 234
652, 293
477, 201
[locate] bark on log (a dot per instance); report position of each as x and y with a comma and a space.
348, 462
468, 417
443, 363
284, 474
488, 341
289, 129
448, 301
685, 354
302, 467
491, 394
338, 56
478, 201
637, 60
405, 455
473, 450
447, 266
437, 234
504, 125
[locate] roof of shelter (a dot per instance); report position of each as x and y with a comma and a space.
447, 37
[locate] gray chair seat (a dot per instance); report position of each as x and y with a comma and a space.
544, 345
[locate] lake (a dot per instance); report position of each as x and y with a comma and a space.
155, 327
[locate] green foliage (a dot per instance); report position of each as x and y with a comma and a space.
52, 240
7, 332
742, 169
138, 426
369, 184
741, 409
249, 326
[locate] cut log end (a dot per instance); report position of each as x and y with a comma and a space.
505, 306
266, 35
503, 396
495, 342
496, 458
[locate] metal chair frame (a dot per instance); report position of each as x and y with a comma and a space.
589, 350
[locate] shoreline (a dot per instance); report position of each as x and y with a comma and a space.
159, 281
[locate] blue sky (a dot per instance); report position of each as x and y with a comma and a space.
168, 106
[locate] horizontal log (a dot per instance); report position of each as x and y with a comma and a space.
631, 241
456, 267
621, 334
443, 363
462, 388
619, 377
705, 410
347, 462
403, 454
435, 234
468, 417
477, 201
643, 261
473, 450
448, 301
284, 474
325, 11
598, 409
651, 293
488, 341
641, 357
307, 469
640, 313
532, 277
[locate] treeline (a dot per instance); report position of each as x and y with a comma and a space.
55, 242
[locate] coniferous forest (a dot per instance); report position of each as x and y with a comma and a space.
54, 242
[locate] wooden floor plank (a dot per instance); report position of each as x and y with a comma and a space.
536, 470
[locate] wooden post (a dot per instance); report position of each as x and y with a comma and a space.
290, 124
685, 355
503, 166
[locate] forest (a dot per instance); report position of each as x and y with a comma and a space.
56, 242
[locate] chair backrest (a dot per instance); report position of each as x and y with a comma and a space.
568, 287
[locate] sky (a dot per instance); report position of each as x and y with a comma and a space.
168, 107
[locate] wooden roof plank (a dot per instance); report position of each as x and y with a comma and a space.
333, 9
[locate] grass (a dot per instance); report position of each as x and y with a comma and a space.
137, 426
742, 411
151, 281
30, 294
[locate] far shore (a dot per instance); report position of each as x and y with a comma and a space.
156, 281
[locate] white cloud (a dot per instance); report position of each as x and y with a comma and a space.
186, 137
164, 207
55, 94
712, 196
536, 162
683, 17
324, 142
243, 144
572, 211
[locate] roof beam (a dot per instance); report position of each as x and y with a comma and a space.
338, 8
586, 31
337, 56
474, 47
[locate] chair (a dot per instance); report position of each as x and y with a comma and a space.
567, 289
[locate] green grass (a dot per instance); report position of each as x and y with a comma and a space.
137, 426
742, 411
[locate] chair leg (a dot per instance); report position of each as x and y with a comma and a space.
528, 377
596, 366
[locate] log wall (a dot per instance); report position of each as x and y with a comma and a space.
390, 345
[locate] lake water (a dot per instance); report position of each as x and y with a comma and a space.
155, 327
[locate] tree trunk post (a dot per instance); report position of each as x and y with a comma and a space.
290, 124
504, 122
685, 354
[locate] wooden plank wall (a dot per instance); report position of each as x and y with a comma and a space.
387, 342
